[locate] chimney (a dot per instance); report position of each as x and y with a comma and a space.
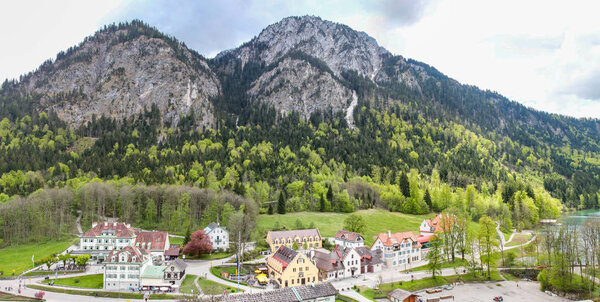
94, 224
389, 233
106, 223
114, 224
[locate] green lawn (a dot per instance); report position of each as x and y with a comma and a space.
213, 288
519, 239
87, 281
176, 240
188, 285
378, 221
457, 263
18, 257
213, 256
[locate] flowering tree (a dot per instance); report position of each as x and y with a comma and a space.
199, 244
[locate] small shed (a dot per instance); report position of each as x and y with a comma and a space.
400, 295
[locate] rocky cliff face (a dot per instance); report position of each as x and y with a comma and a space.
115, 75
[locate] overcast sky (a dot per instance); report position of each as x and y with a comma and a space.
544, 54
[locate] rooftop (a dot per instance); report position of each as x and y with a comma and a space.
288, 294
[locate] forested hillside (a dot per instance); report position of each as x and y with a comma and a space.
421, 145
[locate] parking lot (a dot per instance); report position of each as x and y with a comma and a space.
475, 292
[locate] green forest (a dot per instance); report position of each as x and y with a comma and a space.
446, 147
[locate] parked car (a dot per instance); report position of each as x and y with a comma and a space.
498, 299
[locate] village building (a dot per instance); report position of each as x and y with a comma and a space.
398, 248
218, 236
103, 238
152, 278
172, 252
291, 268
348, 239
175, 271
305, 239
154, 242
123, 267
324, 292
430, 226
400, 295
345, 262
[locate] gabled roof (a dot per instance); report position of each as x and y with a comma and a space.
173, 251
285, 255
178, 263
152, 240
288, 294
399, 294
293, 233
396, 238
348, 236
435, 222
117, 229
326, 262
130, 252
211, 227
369, 257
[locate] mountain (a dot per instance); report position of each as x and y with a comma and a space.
118, 72
306, 105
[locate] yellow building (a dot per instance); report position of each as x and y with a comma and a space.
291, 268
306, 239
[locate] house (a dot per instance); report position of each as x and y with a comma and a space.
291, 268
324, 292
218, 236
342, 262
154, 242
349, 239
431, 226
123, 267
175, 271
103, 238
345, 262
172, 252
309, 239
398, 248
400, 295
370, 261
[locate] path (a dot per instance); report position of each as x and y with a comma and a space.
350, 111
202, 269
78, 221
501, 235
522, 244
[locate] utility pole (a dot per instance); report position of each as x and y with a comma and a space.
238, 260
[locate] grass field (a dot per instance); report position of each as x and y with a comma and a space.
18, 257
378, 221
213, 288
458, 262
103, 294
188, 285
519, 239
176, 240
213, 256
87, 281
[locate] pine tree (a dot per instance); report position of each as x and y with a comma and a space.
404, 185
270, 209
427, 199
281, 204
186, 239
323, 206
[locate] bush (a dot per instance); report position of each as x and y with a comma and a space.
76, 280
542, 277
40, 295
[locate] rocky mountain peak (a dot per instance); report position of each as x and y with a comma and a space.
339, 46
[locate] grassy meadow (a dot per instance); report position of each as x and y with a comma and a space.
18, 257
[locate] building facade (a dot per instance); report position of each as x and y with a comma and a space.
218, 236
306, 239
103, 238
154, 242
348, 239
175, 271
345, 262
398, 249
123, 268
291, 268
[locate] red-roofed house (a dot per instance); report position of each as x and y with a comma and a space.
291, 268
348, 239
123, 268
153, 241
104, 237
398, 248
430, 226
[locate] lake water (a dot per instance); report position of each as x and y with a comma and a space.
579, 217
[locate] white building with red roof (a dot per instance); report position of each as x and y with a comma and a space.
398, 249
105, 237
430, 226
154, 242
348, 239
123, 268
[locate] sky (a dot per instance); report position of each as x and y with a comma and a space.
544, 54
